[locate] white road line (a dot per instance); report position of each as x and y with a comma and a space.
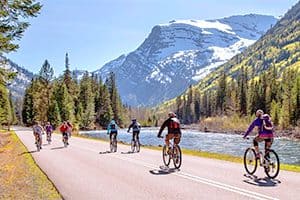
195, 178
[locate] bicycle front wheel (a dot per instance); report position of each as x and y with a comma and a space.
166, 156
177, 156
115, 145
272, 165
250, 161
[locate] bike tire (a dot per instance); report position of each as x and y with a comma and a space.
133, 146
177, 156
166, 156
115, 145
137, 146
252, 161
277, 165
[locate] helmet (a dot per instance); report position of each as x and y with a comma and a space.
172, 114
133, 119
259, 113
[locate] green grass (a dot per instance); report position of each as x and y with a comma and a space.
20, 176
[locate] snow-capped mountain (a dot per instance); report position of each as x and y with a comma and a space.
21, 81
180, 53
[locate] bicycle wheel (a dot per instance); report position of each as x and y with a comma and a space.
137, 146
115, 145
272, 164
38, 148
166, 156
250, 162
133, 145
177, 156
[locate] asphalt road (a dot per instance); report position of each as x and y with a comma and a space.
85, 170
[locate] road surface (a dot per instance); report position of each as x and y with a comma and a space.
85, 170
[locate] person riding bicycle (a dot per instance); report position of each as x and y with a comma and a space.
70, 128
112, 129
136, 128
64, 130
174, 131
37, 132
49, 130
265, 131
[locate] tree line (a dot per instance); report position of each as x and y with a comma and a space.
275, 92
89, 102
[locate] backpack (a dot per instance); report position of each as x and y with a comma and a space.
174, 123
113, 126
136, 127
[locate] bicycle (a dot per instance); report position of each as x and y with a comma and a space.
49, 137
113, 143
65, 140
38, 143
135, 144
173, 153
269, 161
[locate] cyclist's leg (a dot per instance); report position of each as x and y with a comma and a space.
268, 144
110, 136
138, 136
177, 138
256, 140
134, 136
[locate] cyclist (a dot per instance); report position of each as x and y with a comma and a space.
136, 128
112, 129
49, 130
265, 131
70, 128
64, 130
37, 132
174, 131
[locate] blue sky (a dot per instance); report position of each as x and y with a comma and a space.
94, 32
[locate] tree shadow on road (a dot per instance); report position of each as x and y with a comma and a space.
163, 171
261, 182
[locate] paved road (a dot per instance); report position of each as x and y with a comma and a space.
85, 170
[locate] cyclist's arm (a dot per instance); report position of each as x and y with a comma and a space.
163, 126
130, 126
251, 127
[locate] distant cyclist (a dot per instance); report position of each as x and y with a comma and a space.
70, 128
174, 131
37, 132
49, 130
64, 130
265, 131
136, 128
112, 129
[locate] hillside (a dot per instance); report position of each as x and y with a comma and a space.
266, 75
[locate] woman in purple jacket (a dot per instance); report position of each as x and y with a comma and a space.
265, 131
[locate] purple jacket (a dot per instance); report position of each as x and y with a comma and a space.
49, 128
257, 122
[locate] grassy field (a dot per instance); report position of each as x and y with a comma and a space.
20, 177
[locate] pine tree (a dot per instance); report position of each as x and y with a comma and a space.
53, 112
28, 111
12, 21
87, 102
221, 93
104, 110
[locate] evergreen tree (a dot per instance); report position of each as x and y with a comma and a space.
28, 111
12, 21
87, 101
221, 93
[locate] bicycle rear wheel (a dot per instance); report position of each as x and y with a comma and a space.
133, 145
137, 146
115, 145
166, 156
272, 164
250, 161
177, 156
